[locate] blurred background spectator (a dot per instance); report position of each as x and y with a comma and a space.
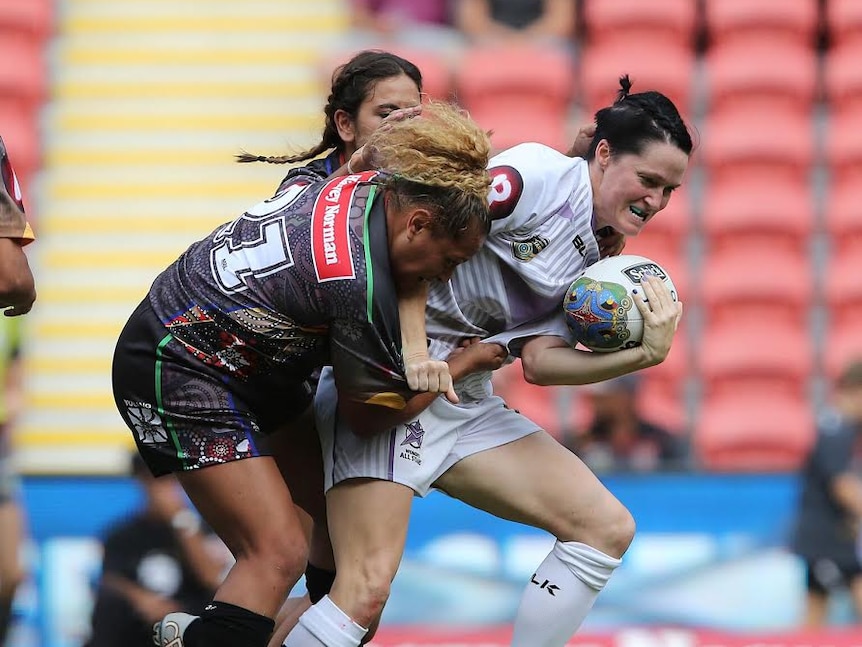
11, 512
619, 438
158, 560
418, 24
828, 528
510, 22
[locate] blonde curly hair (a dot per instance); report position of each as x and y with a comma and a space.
439, 160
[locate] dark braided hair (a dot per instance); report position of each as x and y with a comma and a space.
637, 119
351, 85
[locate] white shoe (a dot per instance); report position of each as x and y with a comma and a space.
169, 632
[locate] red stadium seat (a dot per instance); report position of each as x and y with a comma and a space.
762, 74
738, 358
22, 68
663, 403
752, 432
32, 17
795, 20
843, 20
652, 65
760, 287
843, 290
521, 92
843, 214
750, 213
842, 78
672, 20
843, 344
843, 147
19, 129
778, 146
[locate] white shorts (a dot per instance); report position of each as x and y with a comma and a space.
418, 453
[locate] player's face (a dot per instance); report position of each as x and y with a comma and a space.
631, 189
385, 96
422, 253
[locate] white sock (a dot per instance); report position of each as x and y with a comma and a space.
560, 594
325, 625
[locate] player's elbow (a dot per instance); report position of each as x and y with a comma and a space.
531, 365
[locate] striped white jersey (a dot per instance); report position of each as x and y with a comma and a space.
541, 240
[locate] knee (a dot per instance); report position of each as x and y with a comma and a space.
609, 528
279, 556
367, 586
617, 531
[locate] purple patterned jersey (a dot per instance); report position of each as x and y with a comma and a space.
298, 281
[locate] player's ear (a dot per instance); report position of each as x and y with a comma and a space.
345, 126
418, 220
603, 153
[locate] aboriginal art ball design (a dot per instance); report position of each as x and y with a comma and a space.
597, 313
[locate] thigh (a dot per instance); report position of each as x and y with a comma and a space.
535, 481
248, 505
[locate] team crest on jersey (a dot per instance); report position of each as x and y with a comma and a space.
526, 250
330, 229
506, 188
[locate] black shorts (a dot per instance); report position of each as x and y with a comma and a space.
185, 414
824, 575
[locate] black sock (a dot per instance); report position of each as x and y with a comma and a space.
318, 582
226, 625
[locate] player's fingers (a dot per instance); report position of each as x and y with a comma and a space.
640, 303
650, 295
451, 395
412, 378
678, 315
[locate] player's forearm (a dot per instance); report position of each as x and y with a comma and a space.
411, 312
563, 365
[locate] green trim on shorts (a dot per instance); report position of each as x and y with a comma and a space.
369, 272
159, 402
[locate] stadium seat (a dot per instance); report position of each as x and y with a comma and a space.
843, 147
750, 213
842, 79
795, 20
652, 65
19, 129
760, 286
843, 213
762, 74
671, 20
753, 433
843, 345
34, 18
843, 290
778, 145
521, 92
843, 20
774, 359
22, 68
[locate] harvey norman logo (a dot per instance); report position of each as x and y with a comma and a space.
330, 230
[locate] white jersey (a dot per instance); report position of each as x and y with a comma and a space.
541, 240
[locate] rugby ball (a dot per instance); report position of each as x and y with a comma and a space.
599, 306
